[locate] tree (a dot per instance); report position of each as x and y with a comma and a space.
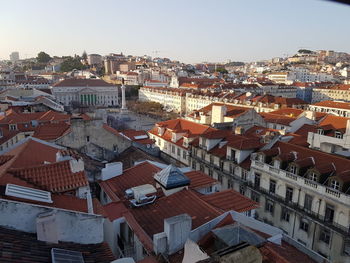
222, 70
304, 51
71, 63
43, 57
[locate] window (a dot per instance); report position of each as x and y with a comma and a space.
329, 213
338, 135
209, 189
220, 178
272, 186
277, 164
293, 169
257, 180
269, 206
230, 183
320, 131
289, 194
313, 176
193, 165
244, 174
255, 196
87, 138
304, 224
201, 168
325, 235
285, 214
346, 248
308, 202
210, 172
231, 168
178, 152
13, 127
159, 142
184, 154
233, 155
335, 184
172, 148
242, 190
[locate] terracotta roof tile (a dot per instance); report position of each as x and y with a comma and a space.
55, 177
230, 200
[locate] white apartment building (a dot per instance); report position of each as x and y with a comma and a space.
339, 92
91, 92
170, 98
305, 193
338, 108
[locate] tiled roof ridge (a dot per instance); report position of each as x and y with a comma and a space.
39, 166
302, 148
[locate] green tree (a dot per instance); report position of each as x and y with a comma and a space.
43, 57
222, 70
71, 63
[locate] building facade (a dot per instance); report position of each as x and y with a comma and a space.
90, 92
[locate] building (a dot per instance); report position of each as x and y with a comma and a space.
340, 92
94, 59
337, 108
304, 192
332, 135
220, 115
89, 92
175, 199
173, 137
14, 57
172, 99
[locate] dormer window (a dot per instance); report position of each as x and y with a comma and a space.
293, 169
13, 127
320, 131
277, 164
313, 177
335, 185
173, 137
338, 135
159, 131
260, 158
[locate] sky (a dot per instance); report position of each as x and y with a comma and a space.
191, 31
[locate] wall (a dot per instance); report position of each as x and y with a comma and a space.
82, 131
72, 226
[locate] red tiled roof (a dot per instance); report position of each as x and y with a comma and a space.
18, 246
199, 179
55, 177
50, 131
333, 104
289, 112
230, 200
143, 174
231, 111
83, 83
274, 118
334, 122
151, 218
341, 164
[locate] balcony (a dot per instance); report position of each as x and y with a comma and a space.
302, 182
320, 219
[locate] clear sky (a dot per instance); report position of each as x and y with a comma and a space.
187, 30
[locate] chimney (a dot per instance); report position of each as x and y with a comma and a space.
177, 230
89, 202
217, 113
111, 170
